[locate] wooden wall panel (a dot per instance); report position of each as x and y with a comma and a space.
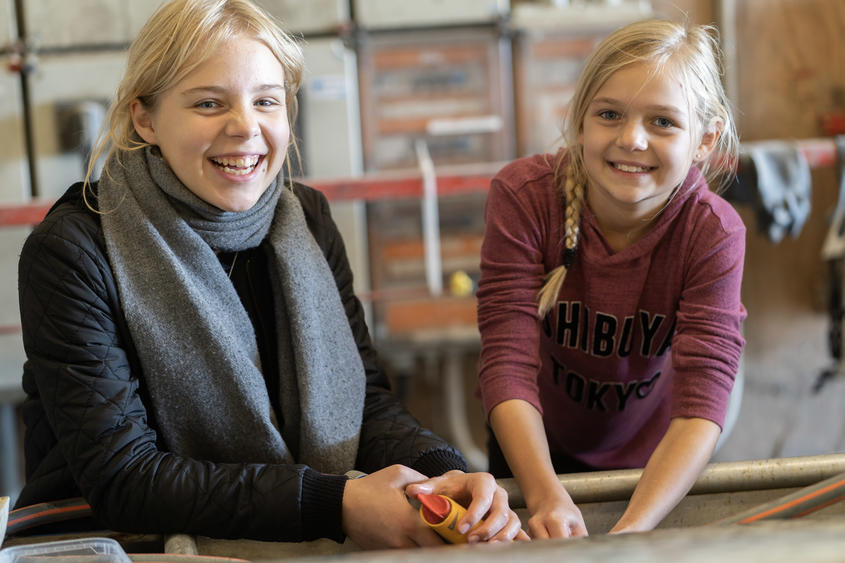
696, 11
791, 65
790, 70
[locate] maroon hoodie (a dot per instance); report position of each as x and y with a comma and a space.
636, 337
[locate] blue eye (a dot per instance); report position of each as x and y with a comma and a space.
268, 103
664, 123
206, 104
609, 114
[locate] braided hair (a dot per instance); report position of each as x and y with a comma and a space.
572, 193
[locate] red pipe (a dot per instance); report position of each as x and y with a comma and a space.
408, 184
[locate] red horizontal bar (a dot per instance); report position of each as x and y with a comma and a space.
451, 180
818, 152
23, 214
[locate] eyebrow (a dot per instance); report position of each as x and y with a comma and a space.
221, 90
658, 107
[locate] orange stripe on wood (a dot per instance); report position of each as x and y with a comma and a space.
794, 502
15, 520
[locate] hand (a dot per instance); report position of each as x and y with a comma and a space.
483, 498
556, 516
377, 515
519, 428
670, 472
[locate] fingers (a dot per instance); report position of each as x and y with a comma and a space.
556, 516
539, 531
545, 526
575, 524
579, 529
493, 504
511, 531
488, 516
376, 514
486, 498
445, 484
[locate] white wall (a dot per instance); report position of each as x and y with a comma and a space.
14, 176
311, 16
86, 22
7, 22
332, 138
64, 79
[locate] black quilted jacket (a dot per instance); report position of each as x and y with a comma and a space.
89, 433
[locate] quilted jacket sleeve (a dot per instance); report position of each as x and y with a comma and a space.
390, 434
79, 377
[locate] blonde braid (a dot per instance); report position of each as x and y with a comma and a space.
573, 196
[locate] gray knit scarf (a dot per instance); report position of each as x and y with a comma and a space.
196, 343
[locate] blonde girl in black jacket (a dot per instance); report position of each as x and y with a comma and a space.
196, 359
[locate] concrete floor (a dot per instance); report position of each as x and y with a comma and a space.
782, 413
785, 290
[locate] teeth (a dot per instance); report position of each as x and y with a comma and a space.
238, 162
626, 168
238, 171
238, 166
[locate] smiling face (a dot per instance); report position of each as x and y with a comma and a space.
223, 128
638, 142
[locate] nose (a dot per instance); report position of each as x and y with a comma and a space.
242, 122
632, 136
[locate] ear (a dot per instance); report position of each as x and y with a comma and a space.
142, 119
709, 138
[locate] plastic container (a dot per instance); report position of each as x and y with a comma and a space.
87, 550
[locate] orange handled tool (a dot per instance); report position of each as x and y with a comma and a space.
442, 514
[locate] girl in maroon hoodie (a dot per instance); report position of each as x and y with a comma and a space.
609, 301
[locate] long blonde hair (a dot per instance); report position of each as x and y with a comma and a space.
178, 37
693, 54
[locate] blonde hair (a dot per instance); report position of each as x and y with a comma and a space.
178, 37
692, 53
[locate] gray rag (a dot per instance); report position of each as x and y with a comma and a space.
780, 176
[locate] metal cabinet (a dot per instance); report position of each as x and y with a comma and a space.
550, 47
448, 87
403, 304
546, 68
376, 14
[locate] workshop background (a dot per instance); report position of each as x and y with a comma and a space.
407, 108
